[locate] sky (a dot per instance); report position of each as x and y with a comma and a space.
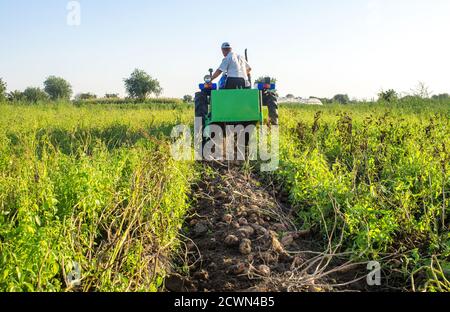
314, 48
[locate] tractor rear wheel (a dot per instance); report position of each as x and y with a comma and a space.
270, 100
201, 105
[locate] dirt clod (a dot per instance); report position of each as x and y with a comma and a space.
287, 241
177, 283
201, 275
237, 269
200, 229
243, 238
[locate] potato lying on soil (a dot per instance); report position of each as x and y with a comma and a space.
245, 247
231, 241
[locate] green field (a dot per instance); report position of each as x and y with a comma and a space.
95, 185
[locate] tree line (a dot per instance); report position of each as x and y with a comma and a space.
421, 91
139, 86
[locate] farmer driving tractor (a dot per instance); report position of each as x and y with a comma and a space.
240, 105
235, 68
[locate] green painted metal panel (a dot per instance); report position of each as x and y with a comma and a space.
235, 105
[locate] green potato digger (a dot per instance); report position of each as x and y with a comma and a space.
216, 105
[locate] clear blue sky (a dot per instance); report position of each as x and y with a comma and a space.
318, 48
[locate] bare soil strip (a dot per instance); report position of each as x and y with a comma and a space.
241, 236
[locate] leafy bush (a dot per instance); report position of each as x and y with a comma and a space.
341, 99
441, 97
388, 96
93, 188
140, 85
118, 101
263, 79
15, 96
34, 95
375, 182
85, 96
57, 88
188, 99
2, 90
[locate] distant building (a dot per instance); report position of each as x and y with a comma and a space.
299, 100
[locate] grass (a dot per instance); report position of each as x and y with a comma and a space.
374, 179
91, 185
94, 185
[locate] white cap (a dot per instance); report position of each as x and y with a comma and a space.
226, 45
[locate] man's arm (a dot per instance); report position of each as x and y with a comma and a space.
216, 74
222, 68
248, 68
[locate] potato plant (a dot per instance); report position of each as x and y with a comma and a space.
375, 181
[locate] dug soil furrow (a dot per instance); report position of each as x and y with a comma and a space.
241, 236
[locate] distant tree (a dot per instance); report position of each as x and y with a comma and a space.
441, 97
187, 99
34, 95
421, 91
290, 96
323, 100
85, 96
409, 98
111, 96
140, 85
57, 88
341, 98
388, 96
15, 96
263, 79
2, 89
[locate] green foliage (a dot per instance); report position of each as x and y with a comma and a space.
374, 180
324, 100
124, 102
141, 85
2, 90
441, 97
85, 96
388, 96
263, 79
94, 186
57, 88
111, 95
15, 96
341, 99
421, 91
34, 95
188, 99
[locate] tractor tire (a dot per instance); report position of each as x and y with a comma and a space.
201, 105
270, 100
201, 111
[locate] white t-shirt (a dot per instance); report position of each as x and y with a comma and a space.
235, 66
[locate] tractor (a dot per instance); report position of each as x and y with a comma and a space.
216, 105
234, 107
